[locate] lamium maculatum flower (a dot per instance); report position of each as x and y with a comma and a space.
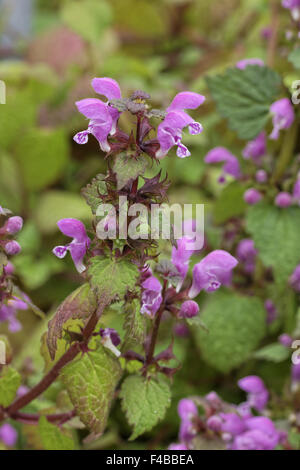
283, 116
252, 196
102, 117
231, 164
258, 395
169, 131
189, 309
256, 148
283, 200
151, 296
246, 254
79, 245
212, 271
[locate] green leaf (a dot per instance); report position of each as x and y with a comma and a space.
81, 304
52, 438
244, 97
230, 203
235, 326
274, 352
276, 236
89, 18
134, 325
145, 402
128, 167
294, 58
91, 381
42, 156
10, 381
92, 191
111, 278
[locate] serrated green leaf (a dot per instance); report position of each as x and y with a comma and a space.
91, 381
276, 236
244, 97
80, 304
294, 58
53, 438
274, 352
127, 168
134, 325
230, 203
92, 192
89, 18
235, 326
111, 278
145, 402
10, 380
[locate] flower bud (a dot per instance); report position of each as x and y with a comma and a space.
12, 248
261, 176
283, 199
189, 309
252, 196
14, 225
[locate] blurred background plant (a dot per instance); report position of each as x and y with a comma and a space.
49, 52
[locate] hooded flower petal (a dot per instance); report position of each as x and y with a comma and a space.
107, 87
221, 154
186, 100
258, 395
213, 271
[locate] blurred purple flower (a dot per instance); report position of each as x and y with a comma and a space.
258, 395
8, 435
242, 64
231, 164
256, 148
189, 309
295, 279
271, 311
283, 200
283, 116
9, 311
252, 196
246, 254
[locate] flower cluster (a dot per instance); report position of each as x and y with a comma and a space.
232, 426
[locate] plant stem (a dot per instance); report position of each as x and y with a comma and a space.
286, 152
34, 418
52, 375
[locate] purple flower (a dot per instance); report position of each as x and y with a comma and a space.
177, 447
258, 395
242, 64
187, 431
110, 339
151, 296
12, 247
283, 116
9, 269
187, 409
212, 271
261, 176
181, 257
9, 310
295, 279
256, 148
181, 330
296, 191
169, 131
296, 372
102, 117
283, 200
189, 309
232, 423
271, 311
214, 423
231, 164
78, 247
13, 225
246, 254
252, 196
294, 6
286, 340
8, 435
